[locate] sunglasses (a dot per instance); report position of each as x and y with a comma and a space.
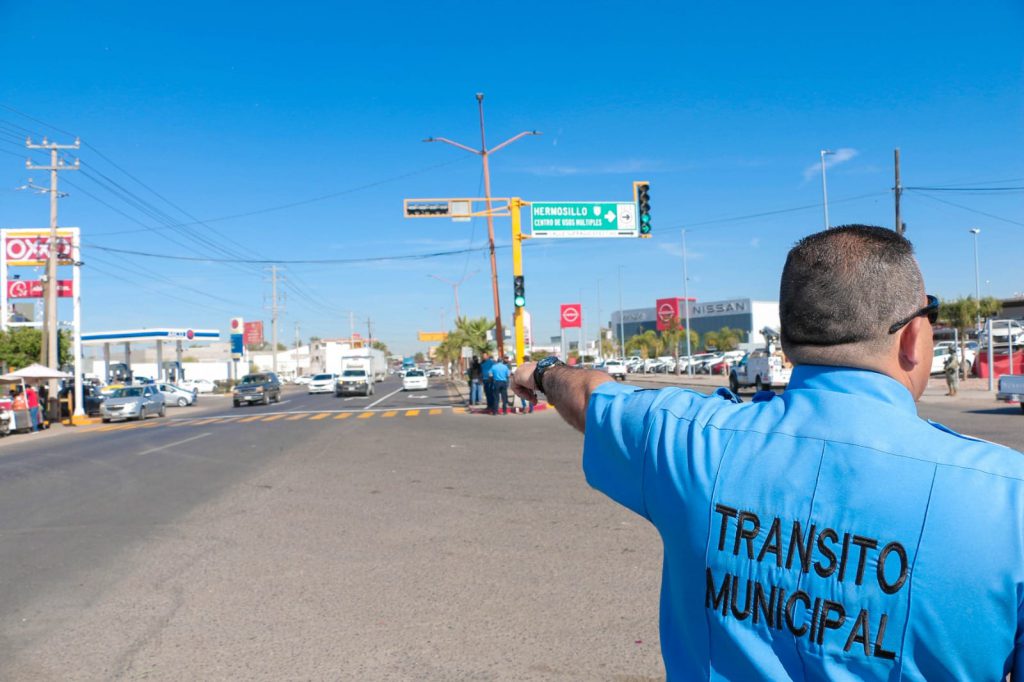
931, 311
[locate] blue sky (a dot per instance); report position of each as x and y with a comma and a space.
722, 106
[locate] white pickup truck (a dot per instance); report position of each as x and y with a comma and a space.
1011, 389
764, 368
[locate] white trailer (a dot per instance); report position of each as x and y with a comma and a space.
370, 359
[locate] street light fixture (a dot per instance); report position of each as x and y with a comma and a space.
484, 153
824, 185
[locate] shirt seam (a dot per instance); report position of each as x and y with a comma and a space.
910, 581
843, 442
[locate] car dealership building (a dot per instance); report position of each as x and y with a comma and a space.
745, 314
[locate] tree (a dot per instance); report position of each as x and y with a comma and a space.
19, 347
381, 346
472, 332
648, 344
724, 339
420, 358
962, 314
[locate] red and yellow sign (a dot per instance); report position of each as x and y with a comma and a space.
32, 247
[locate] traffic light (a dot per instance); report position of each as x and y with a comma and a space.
519, 291
643, 200
426, 208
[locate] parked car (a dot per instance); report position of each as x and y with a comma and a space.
435, 372
198, 385
176, 395
303, 380
354, 380
322, 383
616, 369
1003, 331
91, 397
133, 402
263, 388
969, 353
414, 380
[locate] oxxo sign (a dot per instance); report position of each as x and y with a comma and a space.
33, 248
572, 315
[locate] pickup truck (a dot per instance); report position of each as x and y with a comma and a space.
1011, 389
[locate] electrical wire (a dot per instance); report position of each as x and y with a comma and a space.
968, 208
310, 261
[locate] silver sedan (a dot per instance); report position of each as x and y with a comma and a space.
133, 402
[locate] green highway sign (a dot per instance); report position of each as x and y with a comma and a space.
573, 219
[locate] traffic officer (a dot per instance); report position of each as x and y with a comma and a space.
828, 532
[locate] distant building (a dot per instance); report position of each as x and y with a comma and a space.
745, 314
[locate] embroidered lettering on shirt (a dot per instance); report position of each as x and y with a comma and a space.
827, 552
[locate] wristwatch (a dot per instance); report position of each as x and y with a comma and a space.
543, 366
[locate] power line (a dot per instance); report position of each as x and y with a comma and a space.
280, 261
968, 208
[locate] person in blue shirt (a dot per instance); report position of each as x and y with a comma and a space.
485, 372
828, 532
499, 377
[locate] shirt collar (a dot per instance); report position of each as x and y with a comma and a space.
853, 381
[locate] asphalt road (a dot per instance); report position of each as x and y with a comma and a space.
392, 537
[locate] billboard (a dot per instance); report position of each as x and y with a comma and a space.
32, 247
665, 309
431, 337
571, 315
33, 288
253, 333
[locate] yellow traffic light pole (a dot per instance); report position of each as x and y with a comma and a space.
514, 204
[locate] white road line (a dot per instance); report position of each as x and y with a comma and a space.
171, 445
377, 402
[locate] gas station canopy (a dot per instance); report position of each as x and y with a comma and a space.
159, 334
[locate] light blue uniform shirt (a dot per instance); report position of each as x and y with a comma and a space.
485, 369
827, 533
499, 372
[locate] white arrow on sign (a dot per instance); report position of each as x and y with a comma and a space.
609, 216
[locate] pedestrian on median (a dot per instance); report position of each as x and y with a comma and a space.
796, 527
952, 369
485, 373
475, 381
500, 376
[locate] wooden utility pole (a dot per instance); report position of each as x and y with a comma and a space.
48, 354
897, 191
275, 310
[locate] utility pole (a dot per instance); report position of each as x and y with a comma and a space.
622, 324
485, 153
48, 345
897, 191
298, 337
824, 186
275, 310
600, 334
455, 287
369, 333
686, 307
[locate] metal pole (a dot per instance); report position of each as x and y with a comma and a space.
517, 270
76, 293
897, 191
824, 186
600, 334
273, 316
991, 364
498, 331
686, 307
622, 324
977, 279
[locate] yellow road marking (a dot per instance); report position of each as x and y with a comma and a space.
366, 415
458, 410
389, 413
322, 415
250, 419
296, 417
274, 417
202, 422
182, 422
412, 413
435, 411
343, 415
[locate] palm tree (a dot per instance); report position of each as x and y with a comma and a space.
649, 344
962, 314
472, 332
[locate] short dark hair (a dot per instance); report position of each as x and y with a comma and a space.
843, 288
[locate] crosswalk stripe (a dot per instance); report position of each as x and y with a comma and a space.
274, 417
412, 413
182, 422
434, 411
250, 419
296, 417
322, 415
203, 422
389, 413
343, 415
365, 415
458, 410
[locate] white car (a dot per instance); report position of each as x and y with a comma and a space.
616, 369
354, 380
302, 380
176, 395
322, 383
414, 380
1003, 331
198, 385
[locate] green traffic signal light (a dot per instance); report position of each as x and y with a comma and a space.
643, 200
519, 291
520, 301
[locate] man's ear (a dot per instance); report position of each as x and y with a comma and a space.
910, 351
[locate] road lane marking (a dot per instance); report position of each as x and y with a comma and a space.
390, 413
365, 415
322, 415
296, 417
275, 417
203, 422
435, 411
175, 444
412, 413
343, 415
458, 410
250, 419
377, 402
